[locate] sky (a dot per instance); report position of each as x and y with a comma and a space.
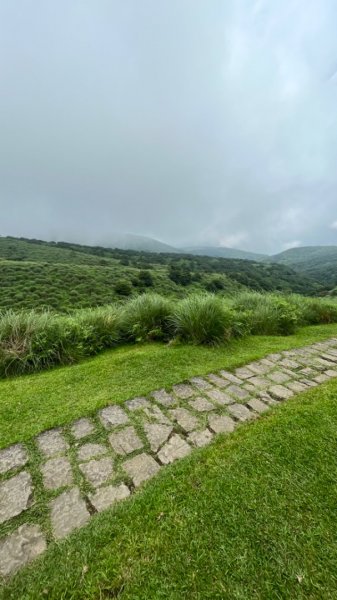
197, 122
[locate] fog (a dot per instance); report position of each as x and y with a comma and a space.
192, 121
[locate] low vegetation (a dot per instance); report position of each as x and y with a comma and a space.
193, 533
36, 340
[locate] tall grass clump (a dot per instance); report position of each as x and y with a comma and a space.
147, 317
315, 311
203, 319
100, 327
267, 314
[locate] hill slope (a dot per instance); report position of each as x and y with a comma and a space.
319, 262
222, 252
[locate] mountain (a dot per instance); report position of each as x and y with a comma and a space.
221, 252
141, 243
318, 262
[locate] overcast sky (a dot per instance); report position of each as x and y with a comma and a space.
192, 121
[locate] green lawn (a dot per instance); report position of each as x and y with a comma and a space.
30, 404
253, 516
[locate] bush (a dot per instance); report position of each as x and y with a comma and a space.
267, 314
203, 319
315, 312
147, 317
123, 287
100, 327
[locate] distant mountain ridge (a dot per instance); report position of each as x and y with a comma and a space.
224, 252
130, 241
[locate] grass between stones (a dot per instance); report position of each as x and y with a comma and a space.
33, 403
251, 516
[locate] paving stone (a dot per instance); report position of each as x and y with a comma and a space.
257, 405
240, 412
174, 449
157, 434
265, 397
330, 373
183, 391
15, 496
237, 392
68, 512
280, 392
249, 387
154, 413
137, 403
56, 473
108, 495
289, 364
308, 382
278, 377
125, 441
297, 387
231, 378
319, 366
52, 442
140, 468
219, 397
200, 438
329, 357
267, 363
321, 378
201, 405
88, 451
218, 381
221, 424
257, 368
201, 383
185, 419
98, 471
259, 382
12, 458
332, 352
163, 398
20, 548
82, 428
308, 371
275, 357
326, 363
243, 373
113, 416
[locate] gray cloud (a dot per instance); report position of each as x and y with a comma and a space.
191, 121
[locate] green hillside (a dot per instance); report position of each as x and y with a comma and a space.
318, 262
224, 252
63, 276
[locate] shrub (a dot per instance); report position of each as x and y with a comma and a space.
203, 319
267, 314
123, 287
147, 317
314, 311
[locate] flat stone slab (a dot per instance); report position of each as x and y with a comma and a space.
88, 451
68, 512
289, 364
201, 383
200, 438
243, 373
113, 416
201, 405
258, 368
265, 397
155, 414
331, 373
297, 387
184, 417
183, 391
237, 392
221, 424
280, 392
278, 377
258, 382
163, 397
15, 496
257, 405
20, 548
308, 372
231, 378
218, 381
308, 382
240, 412
321, 378
125, 441
82, 428
52, 442
141, 468
175, 448
219, 397
98, 471
12, 458
157, 434
108, 496
137, 403
56, 473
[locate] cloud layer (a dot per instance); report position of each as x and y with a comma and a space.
191, 121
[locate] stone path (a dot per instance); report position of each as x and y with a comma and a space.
71, 473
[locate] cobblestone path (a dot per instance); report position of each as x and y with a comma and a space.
68, 474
